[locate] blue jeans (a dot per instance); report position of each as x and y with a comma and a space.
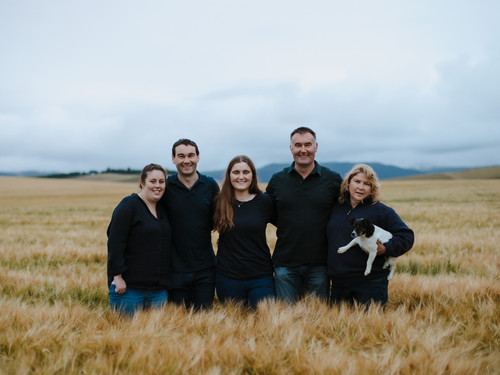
136, 299
293, 283
250, 292
363, 292
195, 289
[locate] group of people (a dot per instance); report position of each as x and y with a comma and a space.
160, 240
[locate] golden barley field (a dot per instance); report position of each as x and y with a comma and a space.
442, 317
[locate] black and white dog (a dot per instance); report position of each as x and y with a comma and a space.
365, 234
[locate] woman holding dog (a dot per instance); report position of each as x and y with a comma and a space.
359, 198
244, 271
139, 247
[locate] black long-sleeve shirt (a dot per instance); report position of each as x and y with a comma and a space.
243, 253
139, 245
351, 265
190, 212
302, 207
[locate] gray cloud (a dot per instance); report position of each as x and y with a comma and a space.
85, 91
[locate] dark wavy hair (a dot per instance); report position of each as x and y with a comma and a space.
185, 142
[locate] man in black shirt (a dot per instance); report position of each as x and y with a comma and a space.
189, 202
304, 194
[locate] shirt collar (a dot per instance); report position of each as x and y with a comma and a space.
174, 179
317, 169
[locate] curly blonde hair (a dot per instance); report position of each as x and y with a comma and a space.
370, 174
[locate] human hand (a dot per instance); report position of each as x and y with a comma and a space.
381, 249
120, 284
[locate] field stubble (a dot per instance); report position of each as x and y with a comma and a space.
442, 316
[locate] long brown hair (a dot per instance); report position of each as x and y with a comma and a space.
224, 204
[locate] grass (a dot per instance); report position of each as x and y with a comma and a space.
443, 314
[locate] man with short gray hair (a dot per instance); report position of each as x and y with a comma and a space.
304, 194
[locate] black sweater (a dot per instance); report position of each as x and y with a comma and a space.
351, 264
139, 245
243, 253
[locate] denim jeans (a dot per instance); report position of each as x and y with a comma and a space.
195, 289
363, 292
133, 300
293, 283
250, 292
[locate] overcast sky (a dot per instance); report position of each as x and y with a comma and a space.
95, 84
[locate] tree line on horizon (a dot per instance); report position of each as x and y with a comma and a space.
127, 171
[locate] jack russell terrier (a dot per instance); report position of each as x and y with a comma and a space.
366, 235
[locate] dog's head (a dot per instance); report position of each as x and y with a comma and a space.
362, 227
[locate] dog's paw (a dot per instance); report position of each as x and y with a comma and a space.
341, 250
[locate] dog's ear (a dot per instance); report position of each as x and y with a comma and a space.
351, 221
367, 224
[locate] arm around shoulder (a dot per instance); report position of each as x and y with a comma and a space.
270, 187
270, 191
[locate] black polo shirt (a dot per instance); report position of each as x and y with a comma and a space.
303, 206
190, 212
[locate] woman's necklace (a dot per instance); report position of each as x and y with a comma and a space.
248, 199
352, 208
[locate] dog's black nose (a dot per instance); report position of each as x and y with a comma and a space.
353, 234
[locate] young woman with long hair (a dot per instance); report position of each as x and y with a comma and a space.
244, 271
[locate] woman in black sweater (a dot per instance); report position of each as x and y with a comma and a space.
139, 247
244, 271
359, 198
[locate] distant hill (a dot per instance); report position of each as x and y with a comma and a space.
383, 171
476, 173
25, 174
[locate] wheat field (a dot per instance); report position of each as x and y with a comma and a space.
442, 316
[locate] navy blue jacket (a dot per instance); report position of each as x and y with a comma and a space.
350, 266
